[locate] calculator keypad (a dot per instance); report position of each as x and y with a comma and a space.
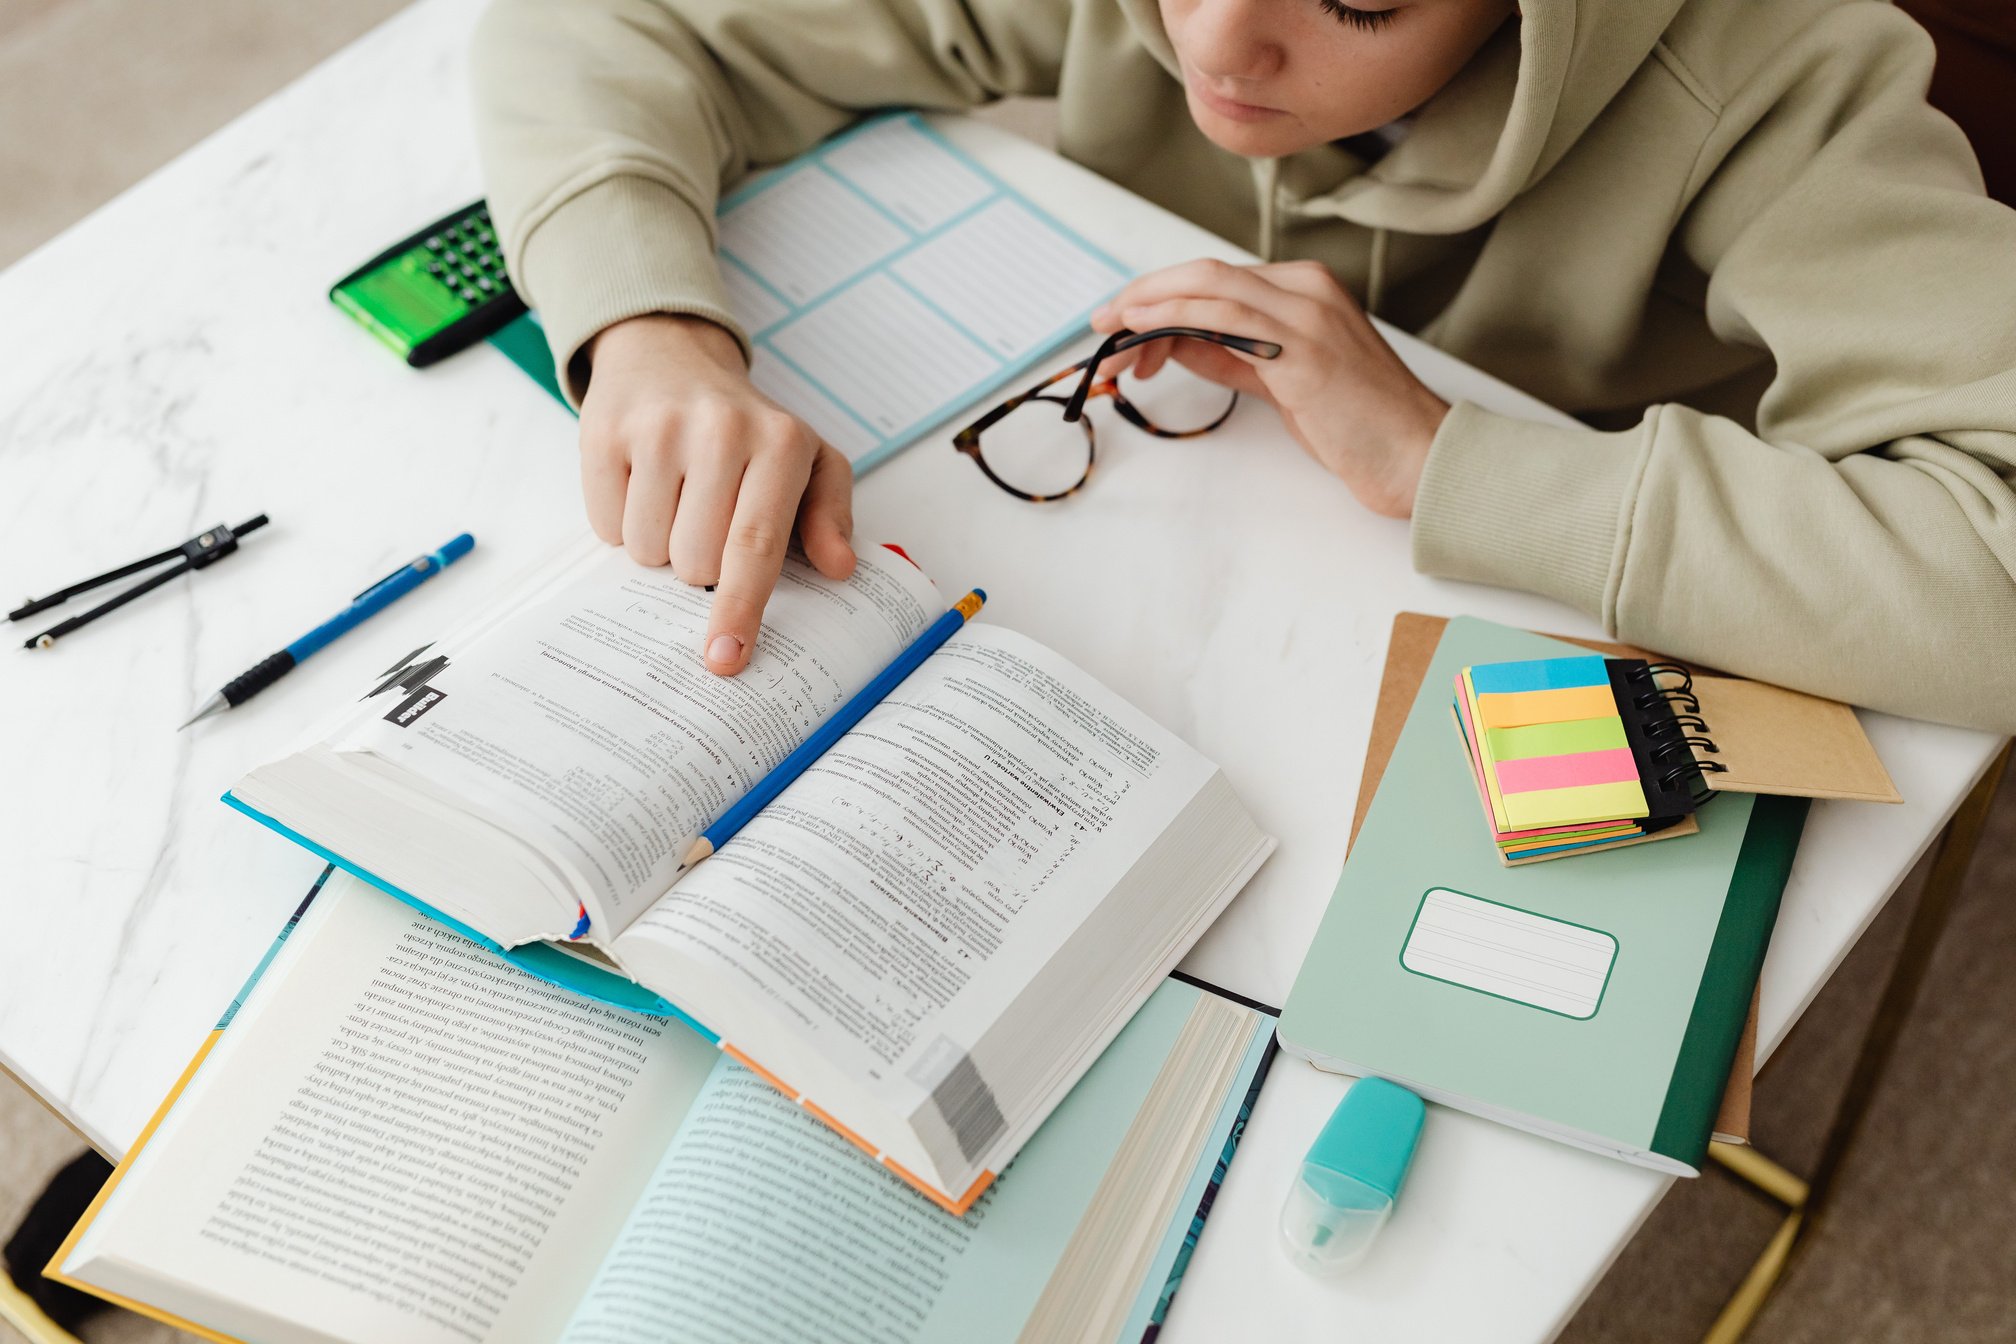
466, 257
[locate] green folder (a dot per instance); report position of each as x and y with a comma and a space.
1598, 1000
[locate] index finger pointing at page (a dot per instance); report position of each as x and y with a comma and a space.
764, 511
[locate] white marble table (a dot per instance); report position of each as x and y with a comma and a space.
171, 362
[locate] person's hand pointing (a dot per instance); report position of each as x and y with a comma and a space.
683, 460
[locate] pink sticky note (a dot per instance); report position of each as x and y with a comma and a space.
1614, 766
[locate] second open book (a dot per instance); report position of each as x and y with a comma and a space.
926, 938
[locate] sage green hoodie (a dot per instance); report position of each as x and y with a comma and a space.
1728, 235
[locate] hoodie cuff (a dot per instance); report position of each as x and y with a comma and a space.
622, 248
1524, 505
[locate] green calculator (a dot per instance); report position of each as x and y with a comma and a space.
440, 291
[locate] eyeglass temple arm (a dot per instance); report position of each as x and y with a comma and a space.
1127, 340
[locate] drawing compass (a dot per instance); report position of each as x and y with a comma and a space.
200, 551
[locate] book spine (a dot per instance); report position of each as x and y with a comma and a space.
1735, 959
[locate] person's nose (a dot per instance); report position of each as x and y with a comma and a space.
1229, 39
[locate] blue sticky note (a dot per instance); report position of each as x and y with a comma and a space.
1539, 674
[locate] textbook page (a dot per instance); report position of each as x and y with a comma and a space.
761, 1224
889, 905
399, 1137
586, 724
887, 279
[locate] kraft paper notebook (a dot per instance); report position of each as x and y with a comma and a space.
1409, 649
924, 939
394, 1138
1600, 1002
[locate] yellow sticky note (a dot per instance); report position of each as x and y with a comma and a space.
1566, 807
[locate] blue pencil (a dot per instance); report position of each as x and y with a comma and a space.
829, 732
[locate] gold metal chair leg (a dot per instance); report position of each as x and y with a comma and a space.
1755, 1290
1806, 1201
1782, 1185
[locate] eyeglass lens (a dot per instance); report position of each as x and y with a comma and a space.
1034, 450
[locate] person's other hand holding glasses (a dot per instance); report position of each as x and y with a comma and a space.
1040, 445
1305, 346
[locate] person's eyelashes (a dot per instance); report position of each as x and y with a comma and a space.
1368, 20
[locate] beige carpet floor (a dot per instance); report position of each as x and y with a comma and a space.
1921, 1245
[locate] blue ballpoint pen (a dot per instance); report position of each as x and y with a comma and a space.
365, 605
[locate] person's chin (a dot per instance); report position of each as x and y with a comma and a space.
1261, 139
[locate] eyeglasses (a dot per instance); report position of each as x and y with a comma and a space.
1030, 448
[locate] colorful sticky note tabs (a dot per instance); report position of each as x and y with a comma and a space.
1571, 838
1519, 708
1539, 674
1554, 739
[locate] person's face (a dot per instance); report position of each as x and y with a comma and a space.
1271, 77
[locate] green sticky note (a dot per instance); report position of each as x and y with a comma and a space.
1554, 739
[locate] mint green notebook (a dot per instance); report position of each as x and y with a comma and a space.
1597, 1001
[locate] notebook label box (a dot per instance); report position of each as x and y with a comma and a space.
1509, 953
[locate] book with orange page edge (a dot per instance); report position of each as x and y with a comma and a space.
1409, 650
283, 812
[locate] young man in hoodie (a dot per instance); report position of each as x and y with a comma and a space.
1728, 235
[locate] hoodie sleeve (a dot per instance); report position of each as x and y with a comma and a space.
607, 128
1861, 543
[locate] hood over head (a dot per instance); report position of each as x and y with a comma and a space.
1505, 119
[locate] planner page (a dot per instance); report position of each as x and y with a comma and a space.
887, 280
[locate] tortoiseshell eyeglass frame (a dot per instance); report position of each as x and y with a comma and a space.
967, 440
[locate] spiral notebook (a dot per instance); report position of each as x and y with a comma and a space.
1584, 752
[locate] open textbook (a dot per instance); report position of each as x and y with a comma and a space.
926, 938
397, 1137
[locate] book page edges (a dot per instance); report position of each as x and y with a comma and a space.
54, 1270
960, 1204
1520, 1120
955, 1206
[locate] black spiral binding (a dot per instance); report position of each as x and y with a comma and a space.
1677, 734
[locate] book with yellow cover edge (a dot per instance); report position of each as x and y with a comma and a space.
54, 1269
469, 1157
923, 939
